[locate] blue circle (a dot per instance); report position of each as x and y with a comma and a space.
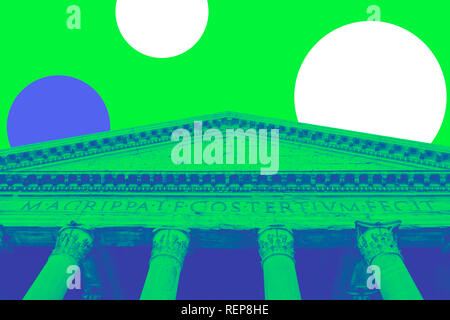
56, 107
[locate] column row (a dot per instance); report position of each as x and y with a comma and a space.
376, 242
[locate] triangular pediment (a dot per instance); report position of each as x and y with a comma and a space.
302, 147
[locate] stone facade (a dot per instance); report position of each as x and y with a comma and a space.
121, 189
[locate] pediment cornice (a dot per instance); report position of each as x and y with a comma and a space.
335, 139
167, 182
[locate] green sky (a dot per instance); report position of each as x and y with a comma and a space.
246, 61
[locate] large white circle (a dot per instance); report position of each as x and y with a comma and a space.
162, 28
372, 77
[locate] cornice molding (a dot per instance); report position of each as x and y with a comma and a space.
138, 182
335, 139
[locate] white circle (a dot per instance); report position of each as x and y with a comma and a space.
162, 28
372, 77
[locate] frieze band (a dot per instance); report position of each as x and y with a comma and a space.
301, 205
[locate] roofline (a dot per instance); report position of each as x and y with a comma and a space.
344, 140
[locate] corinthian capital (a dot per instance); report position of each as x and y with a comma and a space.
74, 242
275, 241
170, 242
377, 239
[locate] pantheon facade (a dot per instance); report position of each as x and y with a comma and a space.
121, 188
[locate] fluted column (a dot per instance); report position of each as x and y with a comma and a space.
378, 245
72, 245
276, 249
167, 257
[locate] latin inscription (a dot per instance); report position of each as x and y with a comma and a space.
179, 206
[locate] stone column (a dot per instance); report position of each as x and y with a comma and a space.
441, 272
358, 288
92, 286
276, 249
167, 257
72, 245
2, 238
378, 245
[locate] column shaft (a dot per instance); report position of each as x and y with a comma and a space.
71, 247
396, 282
276, 248
168, 253
378, 245
51, 283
